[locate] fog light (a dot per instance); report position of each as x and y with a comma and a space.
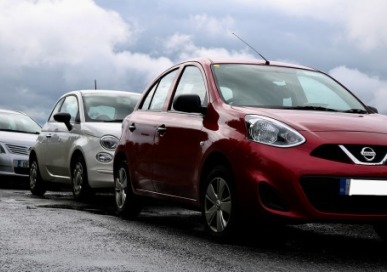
104, 157
271, 198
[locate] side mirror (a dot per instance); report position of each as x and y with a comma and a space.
65, 118
189, 103
372, 109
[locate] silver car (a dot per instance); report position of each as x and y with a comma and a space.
18, 133
77, 143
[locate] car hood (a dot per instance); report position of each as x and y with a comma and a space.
319, 121
100, 129
18, 138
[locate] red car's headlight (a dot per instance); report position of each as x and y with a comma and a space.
271, 132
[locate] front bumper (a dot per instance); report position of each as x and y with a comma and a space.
14, 165
292, 184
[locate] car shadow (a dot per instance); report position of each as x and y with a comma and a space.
347, 243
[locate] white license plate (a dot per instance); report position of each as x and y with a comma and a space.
364, 187
21, 163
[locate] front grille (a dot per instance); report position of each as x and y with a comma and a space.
324, 194
352, 154
17, 149
331, 152
356, 150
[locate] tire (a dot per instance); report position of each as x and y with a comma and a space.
37, 185
128, 205
219, 207
79, 180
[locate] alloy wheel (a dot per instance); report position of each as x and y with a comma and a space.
217, 207
78, 177
120, 188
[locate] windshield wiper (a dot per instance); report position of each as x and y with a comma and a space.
316, 108
355, 111
19, 131
111, 121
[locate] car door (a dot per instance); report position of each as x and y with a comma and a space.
143, 125
178, 141
59, 140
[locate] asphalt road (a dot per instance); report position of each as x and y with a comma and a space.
55, 233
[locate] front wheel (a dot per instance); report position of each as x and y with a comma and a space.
80, 184
37, 186
219, 204
127, 203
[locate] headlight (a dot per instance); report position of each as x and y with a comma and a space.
271, 132
109, 142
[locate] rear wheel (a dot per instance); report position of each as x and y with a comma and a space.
127, 203
219, 204
37, 185
79, 180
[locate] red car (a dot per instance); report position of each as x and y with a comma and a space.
241, 139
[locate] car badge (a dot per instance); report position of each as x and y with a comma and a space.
368, 153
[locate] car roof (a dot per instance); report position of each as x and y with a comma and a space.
209, 61
11, 111
101, 91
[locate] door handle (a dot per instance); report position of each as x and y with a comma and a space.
48, 135
161, 129
132, 127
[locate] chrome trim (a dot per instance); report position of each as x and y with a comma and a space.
356, 161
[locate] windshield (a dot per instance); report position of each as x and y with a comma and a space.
108, 107
282, 87
16, 122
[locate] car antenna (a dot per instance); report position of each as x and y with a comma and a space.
252, 48
95, 84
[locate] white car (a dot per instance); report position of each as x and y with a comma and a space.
77, 143
18, 133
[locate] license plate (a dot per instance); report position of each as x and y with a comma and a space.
21, 163
363, 187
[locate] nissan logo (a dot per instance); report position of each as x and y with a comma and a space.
368, 153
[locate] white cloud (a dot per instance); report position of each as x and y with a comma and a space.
184, 48
50, 32
362, 22
212, 25
371, 89
48, 47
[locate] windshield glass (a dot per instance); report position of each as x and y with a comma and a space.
108, 107
16, 122
282, 87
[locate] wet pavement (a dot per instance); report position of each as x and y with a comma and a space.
56, 233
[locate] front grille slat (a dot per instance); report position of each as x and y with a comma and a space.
17, 149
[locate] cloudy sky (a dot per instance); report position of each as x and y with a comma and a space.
49, 47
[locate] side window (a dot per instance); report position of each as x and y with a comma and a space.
145, 105
55, 110
161, 93
70, 105
191, 82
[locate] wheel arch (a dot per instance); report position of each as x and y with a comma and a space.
74, 156
118, 158
214, 159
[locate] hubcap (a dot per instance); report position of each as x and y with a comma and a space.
217, 206
120, 190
